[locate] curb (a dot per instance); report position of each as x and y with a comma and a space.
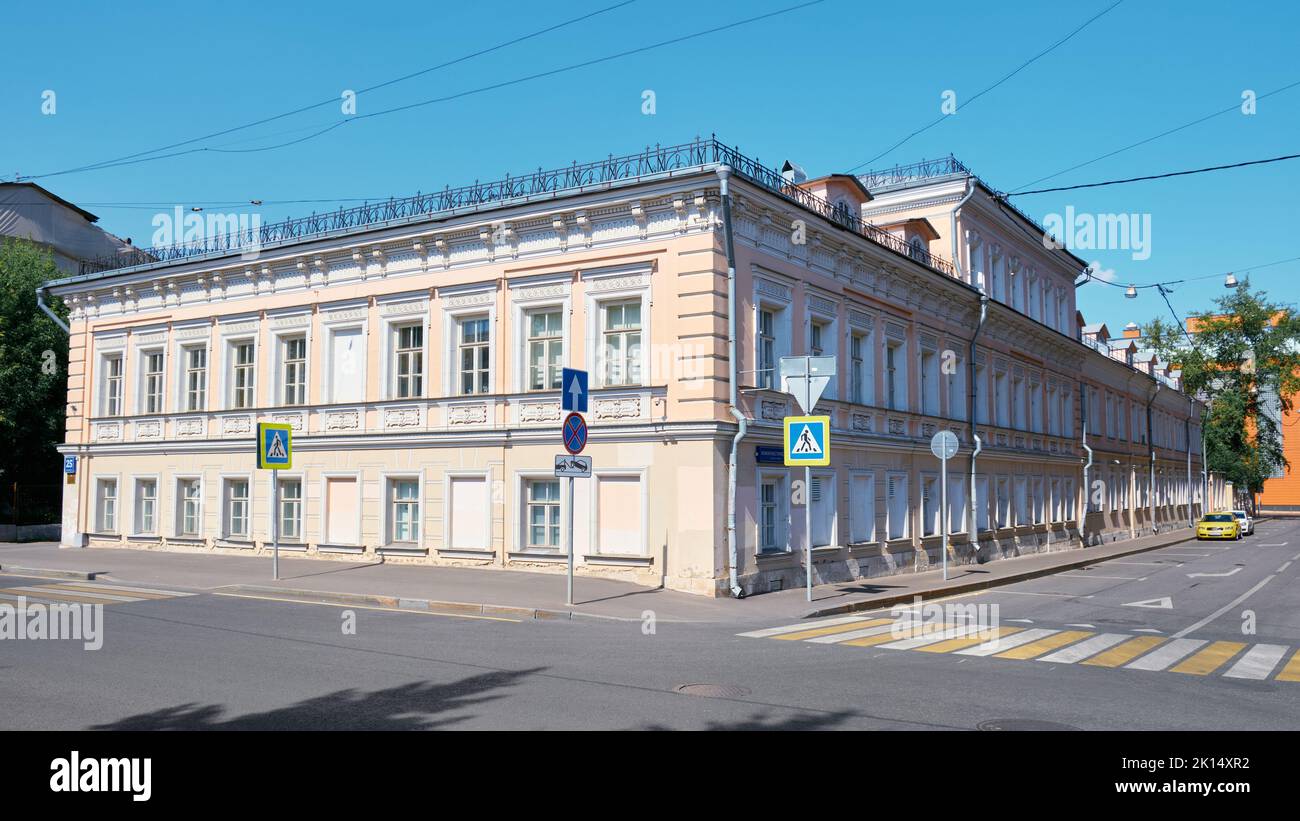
449, 608
980, 584
44, 573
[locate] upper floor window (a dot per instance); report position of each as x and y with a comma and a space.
153, 382
816, 332
896, 374
241, 381
545, 349
857, 370
408, 361
293, 352
474, 355
621, 342
113, 385
929, 382
196, 378
766, 349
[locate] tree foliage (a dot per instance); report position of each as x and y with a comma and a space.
1245, 360
33, 368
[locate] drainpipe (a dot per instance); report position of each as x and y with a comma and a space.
972, 383
724, 173
1187, 428
1087, 466
1151, 443
40, 303
973, 527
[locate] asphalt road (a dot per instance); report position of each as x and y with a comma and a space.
209, 661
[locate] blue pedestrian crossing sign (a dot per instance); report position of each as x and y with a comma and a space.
274, 446
807, 441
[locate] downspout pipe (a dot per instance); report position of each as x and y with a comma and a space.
1151, 444
1187, 440
972, 391
742, 424
1087, 466
40, 303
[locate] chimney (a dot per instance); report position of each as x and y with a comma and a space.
793, 173
1132, 331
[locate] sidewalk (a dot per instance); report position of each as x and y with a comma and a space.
533, 595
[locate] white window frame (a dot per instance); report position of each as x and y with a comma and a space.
393, 332
828, 325
183, 372
102, 481
482, 302
900, 399
178, 511
387, 484
598, 296
229, 345
136, 499
783, 507
522, 480
603, 306
280, 372
227, 485
279, 498
927, 380
107, 380
142, 392
957, 398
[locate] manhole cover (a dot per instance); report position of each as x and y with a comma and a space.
1021, 725
713, 690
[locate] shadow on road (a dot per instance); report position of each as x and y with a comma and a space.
760, 722
414, 706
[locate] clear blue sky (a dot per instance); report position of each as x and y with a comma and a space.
829, 86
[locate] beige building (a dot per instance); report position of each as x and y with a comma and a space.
415, 350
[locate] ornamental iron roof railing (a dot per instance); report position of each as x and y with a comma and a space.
575, 178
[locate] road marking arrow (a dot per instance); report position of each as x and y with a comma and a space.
1231, 572
1163, 603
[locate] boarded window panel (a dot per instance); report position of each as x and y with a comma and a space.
863, 505
620, 515
347, 350
341, 510
469, 512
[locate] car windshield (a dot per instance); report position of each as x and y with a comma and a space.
1240, 514
1219, 517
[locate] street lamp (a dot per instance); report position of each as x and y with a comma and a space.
1131, 292
1230, 281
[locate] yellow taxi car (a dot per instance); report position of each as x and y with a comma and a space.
1218, 526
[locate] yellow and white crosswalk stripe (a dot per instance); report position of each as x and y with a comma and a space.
1258, 662
1085, 649
1124, 653
84, 593
1194, 657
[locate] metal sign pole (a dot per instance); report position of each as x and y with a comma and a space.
943, 513
807, 483
568, 537
275, 525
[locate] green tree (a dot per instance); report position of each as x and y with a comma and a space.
1244, 358
33, 369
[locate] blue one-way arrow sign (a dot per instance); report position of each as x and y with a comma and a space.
574, 390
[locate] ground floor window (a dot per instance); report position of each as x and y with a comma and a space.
929, 506
404, 509
772, 514
291, 509
106, 504
188, 520
862, 509
236, 508
543, 514
897, 522
146, 506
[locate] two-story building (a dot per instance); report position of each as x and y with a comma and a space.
415, 349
